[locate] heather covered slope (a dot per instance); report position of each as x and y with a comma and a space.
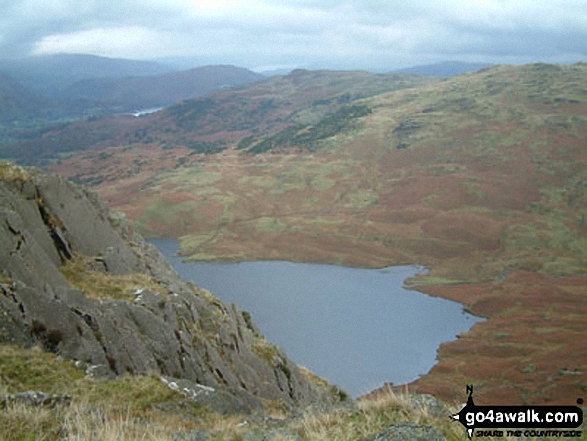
214, 122
477, 166
481, 177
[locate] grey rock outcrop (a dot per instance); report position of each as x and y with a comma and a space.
176, 330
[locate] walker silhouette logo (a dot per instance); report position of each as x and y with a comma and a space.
516, 421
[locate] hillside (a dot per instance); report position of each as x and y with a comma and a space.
422, 157
17, 102
49, 74
444, 69
213, 123
22, 109
134, 93
52, 90
481, 177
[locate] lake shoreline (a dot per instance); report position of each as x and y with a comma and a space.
377, 347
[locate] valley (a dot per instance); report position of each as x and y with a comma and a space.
481, 178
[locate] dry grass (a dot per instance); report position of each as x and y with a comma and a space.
82, 423
20, 422
77, 422
11, 172
84, 420
129, 409
265, 350
123, 408
99, 285
373, 416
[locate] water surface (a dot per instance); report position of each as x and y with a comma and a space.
358, 328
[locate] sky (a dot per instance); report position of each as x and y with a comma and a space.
285, 34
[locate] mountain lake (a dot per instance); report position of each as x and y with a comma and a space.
358, 328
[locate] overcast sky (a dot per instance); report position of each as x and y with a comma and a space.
267, 34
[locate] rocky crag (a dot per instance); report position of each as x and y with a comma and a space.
79, 281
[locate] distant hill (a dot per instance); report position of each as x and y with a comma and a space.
37, 92
134, 93
49, 74
18, 102
443, 69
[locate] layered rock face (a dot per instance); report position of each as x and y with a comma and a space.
81, 282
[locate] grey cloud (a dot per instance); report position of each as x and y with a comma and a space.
305, 32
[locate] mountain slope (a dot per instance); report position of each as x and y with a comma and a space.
133, 93
28, 115
50, 73
444, 68
52, 89
214, 122
81, 283
17, 102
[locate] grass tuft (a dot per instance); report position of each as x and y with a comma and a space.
99, 285
12, 172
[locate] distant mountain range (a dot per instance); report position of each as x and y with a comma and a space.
50, 74
134, 93
39, 90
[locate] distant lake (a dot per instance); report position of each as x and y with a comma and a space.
142, 112
358, 328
